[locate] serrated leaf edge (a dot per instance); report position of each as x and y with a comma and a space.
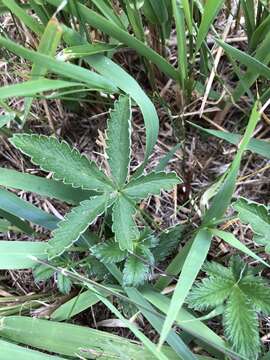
60, 142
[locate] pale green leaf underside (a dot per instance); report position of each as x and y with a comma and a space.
65, 163
124, 225
257, 216
119, 139
76, 222
241, 324
151, 184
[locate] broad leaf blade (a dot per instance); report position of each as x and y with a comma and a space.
65, 163
17, 254
119, 139
135, 270
150, 184
124, 226
75, 223
192, 265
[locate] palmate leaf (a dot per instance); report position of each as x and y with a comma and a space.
108, 252
119, 139
124, 225
258, 217
150, 184
76, 222
65, 163
214, 269
241, 324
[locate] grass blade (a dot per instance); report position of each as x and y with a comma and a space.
16, 254
191, 267
42, 186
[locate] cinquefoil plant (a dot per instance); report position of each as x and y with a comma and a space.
243, 295
115, 191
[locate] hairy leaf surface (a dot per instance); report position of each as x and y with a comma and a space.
75, 223
151, 184
119, 139
241, 324
65, 163
135, 270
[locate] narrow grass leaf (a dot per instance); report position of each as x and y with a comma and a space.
33, 87
210, 11
12, 351
92, 79
260, 147
79, 51
64, 162
251, 62
94, 19
192, 265
5, 119
69, 340
234, 242
12, 204
222, 200
15, 255
42, 186
26, 19
129, 85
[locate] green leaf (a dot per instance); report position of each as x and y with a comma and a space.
19, 208
135, 270
63, 283
33, 87
223, 198
80, 51
108, 252
150, 184
168, 241
12, 351
210, 11
17, 254
214, 269
75, 305
258, 291
257, 146
77, 73
42, 186
192, 265
210, 293
65, 163
67, 339
5, 119
119, 140
257, 215
251, 62
129, 85
233, 241
124, 226
76, 222
42, 272
241, 324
